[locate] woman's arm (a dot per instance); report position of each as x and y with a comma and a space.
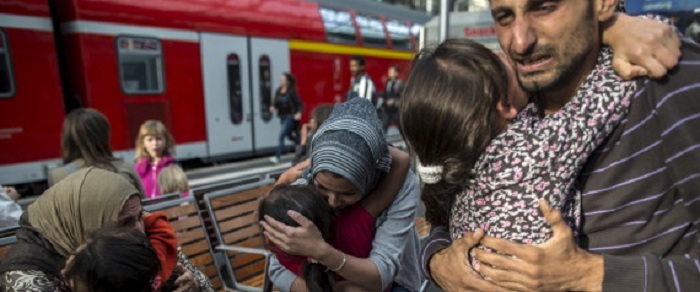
389, 186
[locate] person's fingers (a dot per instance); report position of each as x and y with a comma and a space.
298, 218
277, 226
275, 236
506, 279
276, 241
554, 219
628, 71
503, 262
507, 247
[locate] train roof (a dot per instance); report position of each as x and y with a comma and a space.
374, 8
290, 19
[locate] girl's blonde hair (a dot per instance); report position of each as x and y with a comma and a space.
172, 179
153, 128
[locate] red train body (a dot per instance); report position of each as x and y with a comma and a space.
208, 69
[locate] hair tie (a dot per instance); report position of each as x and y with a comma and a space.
430, 174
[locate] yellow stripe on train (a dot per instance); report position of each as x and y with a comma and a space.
308, 46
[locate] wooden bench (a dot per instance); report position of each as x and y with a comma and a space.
423, 227
192, 238
161, 199
234, 216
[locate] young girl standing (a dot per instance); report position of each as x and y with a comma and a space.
154, 151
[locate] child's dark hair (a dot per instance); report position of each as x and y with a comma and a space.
321, 113
309, 203
114, 259
448, 115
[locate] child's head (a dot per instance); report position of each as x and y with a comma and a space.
172, 179
154, 140
309, 203
113, 259
449, 114
319, 115
85, 135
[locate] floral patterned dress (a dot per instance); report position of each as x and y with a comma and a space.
538, 158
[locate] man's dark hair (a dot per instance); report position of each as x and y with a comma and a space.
359, 59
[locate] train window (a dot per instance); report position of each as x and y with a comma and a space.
235, 93
338, 25
140, 65
7, 84
415, 30
400, 35
265, 88
372, 31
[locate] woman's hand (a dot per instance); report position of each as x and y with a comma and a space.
297, 116
305, 240
186, 281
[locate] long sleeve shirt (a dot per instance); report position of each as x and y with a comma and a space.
640, 189
395, 247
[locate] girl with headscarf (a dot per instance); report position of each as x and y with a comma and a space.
349, 158
61, 219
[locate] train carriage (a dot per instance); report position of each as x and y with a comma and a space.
207, 69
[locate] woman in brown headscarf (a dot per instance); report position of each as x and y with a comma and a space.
60, 220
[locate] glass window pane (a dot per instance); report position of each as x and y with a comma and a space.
140, 65
265, 87
372, 31
400, 35
235, 94
7, 84
338, 25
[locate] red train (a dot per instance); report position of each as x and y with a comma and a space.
207, 68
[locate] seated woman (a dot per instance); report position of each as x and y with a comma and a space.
85, 143
351, 160
113, 259
60, 220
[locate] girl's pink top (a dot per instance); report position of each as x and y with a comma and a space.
149, 174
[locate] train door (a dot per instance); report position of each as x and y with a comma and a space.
225, 71
269, 59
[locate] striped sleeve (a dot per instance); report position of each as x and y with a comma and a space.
663, 253
438, 240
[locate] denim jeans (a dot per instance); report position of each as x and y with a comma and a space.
288, 124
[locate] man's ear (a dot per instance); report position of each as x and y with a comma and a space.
506, 110
605, 9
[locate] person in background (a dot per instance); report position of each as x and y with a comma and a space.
173, 180
288, 106
113, 259
389, 108
318, 116
10, 211
361, 84
85, 143
154, 151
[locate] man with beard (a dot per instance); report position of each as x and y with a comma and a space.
639, 190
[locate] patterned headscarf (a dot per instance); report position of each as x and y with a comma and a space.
351, 143
78, 205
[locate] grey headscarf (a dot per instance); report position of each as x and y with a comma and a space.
351, 143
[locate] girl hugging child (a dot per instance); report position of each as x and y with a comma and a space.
351, 230
154, 151
484, 170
